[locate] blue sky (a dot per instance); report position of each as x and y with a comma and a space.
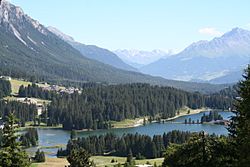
140, 24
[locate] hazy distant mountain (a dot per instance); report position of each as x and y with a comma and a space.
138, 58
231, 77
30, 50
206, 60
94, 52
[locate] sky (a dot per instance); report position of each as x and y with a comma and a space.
140, 24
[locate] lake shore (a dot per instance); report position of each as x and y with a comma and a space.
188, 111
128, 123
131, 123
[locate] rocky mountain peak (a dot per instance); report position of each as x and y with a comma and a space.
60, 34
13, 18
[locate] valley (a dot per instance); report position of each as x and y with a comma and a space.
124, 84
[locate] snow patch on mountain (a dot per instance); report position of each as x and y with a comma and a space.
17, 34
139, 57
34, 42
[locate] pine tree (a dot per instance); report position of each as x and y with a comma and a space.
240, 128
40, 156
73, 134
130, 160
79, 158
11, 154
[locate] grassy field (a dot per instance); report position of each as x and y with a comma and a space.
42, 125
127, 123
52, 162
34, 165
39, 101
100, 161
187, 111
15, 84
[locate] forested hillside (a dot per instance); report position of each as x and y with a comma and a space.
99, 104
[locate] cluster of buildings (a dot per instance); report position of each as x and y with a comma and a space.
62, 90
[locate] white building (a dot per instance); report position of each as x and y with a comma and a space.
5, 78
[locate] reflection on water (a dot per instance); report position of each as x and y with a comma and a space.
58, 137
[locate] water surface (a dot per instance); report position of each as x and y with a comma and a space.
55, 137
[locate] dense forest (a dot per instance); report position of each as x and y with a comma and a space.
24, 112
5, 88
141, 146
36, 91
99, 104
201, 150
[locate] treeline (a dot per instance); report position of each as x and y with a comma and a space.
212, 116
24, 112
36, 91
99, 104
141, 146
30, 138
230, 92
201, 150
5, 88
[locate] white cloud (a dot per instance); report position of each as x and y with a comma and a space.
210, 31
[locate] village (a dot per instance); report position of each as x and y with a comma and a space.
40, 104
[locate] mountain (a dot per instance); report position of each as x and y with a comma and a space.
94, 52
231, 77
138, 58
206, 60
30, 50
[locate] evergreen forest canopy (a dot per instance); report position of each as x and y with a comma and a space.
141, 146
5, 88
24, 112
99, 104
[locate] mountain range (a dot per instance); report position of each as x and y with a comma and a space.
139, 58
220, 60
93, 52
30, 50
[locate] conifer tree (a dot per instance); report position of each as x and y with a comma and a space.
11, 154
79, 158
240, 126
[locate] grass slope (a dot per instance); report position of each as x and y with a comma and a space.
100, 161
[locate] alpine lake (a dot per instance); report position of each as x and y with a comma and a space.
51, 139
